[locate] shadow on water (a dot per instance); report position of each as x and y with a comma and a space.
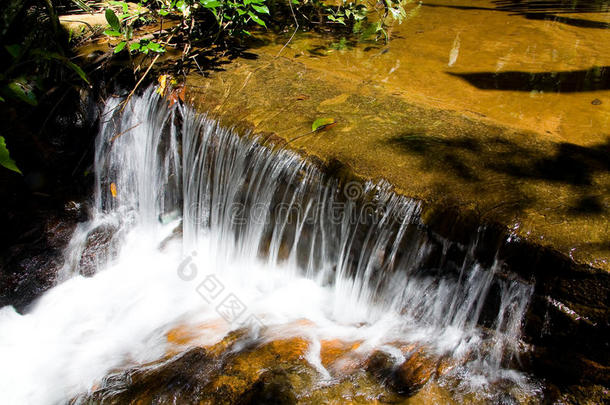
477, 161
549, 10
205, 59
593, 79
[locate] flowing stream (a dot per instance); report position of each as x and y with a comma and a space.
201, 225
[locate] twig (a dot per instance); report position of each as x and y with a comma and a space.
194, 57
300, 136
319, 129
123, 133
295, 29
139, 82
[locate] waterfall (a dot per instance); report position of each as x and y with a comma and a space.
203, 224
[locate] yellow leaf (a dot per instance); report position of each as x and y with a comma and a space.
162, 84
113, 190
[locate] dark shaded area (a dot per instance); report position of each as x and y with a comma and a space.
553, 6
467, 159
272, 388
594, 79
575, 22
546, 10
52, 143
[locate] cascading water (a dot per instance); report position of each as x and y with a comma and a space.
203, 225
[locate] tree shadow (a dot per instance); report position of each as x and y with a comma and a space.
552, 6
573, 81
575, 22
474, 162
549, 10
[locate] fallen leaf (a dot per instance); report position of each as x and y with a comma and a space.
322, 123
113, 190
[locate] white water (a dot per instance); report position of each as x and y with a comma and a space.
260, 226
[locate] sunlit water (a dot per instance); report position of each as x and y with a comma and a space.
211, 226
536, 66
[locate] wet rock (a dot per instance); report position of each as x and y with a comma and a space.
415, 372
237, 370
29, 267
596, 101
180, 379
359, 387
98, 248
272, 388
407, 377
576, 394
188, 335
331, 351
571, 367
433, 393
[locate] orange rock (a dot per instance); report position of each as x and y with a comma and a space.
408, 377
289, 349
332, 350
187, 334
415, 371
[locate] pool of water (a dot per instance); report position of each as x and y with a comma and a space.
543, 67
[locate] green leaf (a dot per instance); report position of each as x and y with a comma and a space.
183, 7
82, 5
77, 69
64, 60
5, 157
371, 30
134, 46
336, 19
155, 47
261, 9
2, 99
113, 20
112, 33
23, 91
13, 50
322, 123
120, 46
257, 19
121, 4
210, 3
163, 12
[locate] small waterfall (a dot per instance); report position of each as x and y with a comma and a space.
193, 212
